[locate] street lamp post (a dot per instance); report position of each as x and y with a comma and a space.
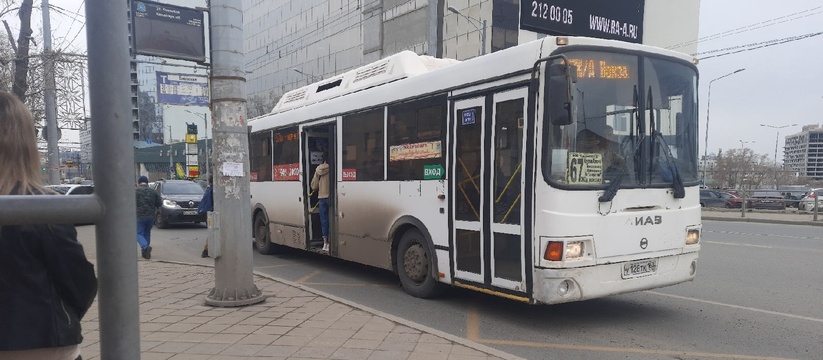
318, 78
481, 28
205, 138
708, 108
776, 140
745, 142
171, 164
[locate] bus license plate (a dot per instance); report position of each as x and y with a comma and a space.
639, 268
193, 212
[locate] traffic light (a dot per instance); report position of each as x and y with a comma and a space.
191, 129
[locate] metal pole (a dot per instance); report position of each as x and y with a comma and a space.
706, 144
206, 136
233, 278
708, 108
49, 99
483, 39
171, 163
110, 94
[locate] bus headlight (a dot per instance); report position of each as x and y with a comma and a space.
692, 236
574, 250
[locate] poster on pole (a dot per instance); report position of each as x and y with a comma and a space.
182, 89
168, 31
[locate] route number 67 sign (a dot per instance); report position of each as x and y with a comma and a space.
584, 168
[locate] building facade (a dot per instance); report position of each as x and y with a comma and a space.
803, 152
290, 44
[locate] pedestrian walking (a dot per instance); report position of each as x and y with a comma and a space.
148, 201
46, 282
206, 205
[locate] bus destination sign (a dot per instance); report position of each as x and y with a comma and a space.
606, 19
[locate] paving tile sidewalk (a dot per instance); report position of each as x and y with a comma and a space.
293, 323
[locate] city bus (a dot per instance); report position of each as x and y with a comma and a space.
559, 170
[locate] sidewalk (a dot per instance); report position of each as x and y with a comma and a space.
294, 322
786, 217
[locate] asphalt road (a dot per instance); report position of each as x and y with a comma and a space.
758, 294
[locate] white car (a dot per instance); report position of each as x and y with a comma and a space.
72, 189
807, 202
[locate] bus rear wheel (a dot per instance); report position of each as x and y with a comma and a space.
414, 264
262, 236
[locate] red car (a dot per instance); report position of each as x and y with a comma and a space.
734, 200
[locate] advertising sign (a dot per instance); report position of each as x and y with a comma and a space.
286, 172
606, 19
182, 89
422, 150
168, 31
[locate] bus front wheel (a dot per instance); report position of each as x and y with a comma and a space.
414, 264
262, 236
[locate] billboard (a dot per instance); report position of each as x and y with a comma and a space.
168, 31
182, 89
605, 19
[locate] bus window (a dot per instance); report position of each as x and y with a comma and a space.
286, 155
363, 146
415, 139
260, 156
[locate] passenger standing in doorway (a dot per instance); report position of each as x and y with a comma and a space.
148, 201
46, 282
320, 182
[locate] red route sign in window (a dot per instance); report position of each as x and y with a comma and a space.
349, 174
286, 172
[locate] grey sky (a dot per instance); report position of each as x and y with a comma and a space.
781, 85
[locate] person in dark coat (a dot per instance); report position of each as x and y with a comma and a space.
46, 282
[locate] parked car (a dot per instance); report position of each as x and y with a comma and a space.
766, 199
180, 201
734, 200
807, 202
792, 198
711, 198
72, 189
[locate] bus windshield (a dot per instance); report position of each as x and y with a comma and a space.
633, 118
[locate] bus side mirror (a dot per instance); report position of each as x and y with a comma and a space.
561, 77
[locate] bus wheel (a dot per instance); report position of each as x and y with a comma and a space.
262, 241
414, 264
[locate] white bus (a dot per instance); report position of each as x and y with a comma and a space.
559, 170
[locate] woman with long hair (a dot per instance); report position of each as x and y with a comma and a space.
46, 282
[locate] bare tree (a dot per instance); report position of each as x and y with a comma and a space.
20, 83
150, 123
262, 104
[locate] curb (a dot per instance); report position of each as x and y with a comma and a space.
396, 319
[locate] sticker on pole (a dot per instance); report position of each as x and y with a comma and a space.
584, 168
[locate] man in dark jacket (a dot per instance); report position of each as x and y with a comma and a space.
148, 201
47, 286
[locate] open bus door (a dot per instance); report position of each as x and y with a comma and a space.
318, 142
488, 187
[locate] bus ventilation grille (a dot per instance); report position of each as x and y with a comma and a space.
296, 96
372, 71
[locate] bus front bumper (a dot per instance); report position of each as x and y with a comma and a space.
554, 286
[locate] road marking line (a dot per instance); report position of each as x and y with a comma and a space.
733, 244
473, 324
738, 307
271, 266
308, 277
626, 350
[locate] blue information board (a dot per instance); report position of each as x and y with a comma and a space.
182, 89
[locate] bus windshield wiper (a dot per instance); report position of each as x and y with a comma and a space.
671, 166
611, 190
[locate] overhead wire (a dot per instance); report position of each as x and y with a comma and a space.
754, 26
